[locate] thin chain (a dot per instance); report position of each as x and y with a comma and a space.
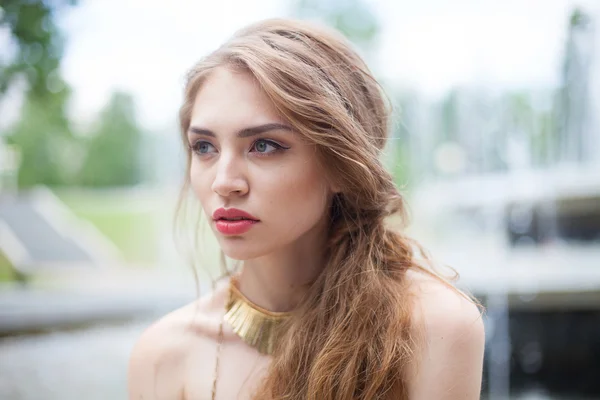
219, 342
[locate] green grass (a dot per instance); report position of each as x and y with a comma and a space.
133, 233
7, 273
136, 225
133, 230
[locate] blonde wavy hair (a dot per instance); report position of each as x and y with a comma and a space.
351, 336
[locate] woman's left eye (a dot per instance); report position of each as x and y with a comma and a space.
263, 146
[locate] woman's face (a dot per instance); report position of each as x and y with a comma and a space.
246, 157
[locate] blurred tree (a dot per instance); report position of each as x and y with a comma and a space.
573, 99
404, 144
45, 142
39, 45
520, 112
449, 117
113, 155
354, 18
43, 134
542, 141
359, 23
518, 126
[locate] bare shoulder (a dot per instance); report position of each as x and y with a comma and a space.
449, 358
439, 307
159, 357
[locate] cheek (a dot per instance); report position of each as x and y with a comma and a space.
299, 200
200, 182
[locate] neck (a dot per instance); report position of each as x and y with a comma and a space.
278, 281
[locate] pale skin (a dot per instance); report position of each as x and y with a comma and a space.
236, 167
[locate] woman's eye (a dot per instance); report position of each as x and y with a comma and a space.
201, 147
266, 146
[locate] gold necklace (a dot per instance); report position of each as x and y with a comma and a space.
256, 326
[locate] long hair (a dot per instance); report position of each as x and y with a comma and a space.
351, 337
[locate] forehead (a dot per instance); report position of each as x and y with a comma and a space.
230, 98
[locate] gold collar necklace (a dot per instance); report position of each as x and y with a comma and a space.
256, 326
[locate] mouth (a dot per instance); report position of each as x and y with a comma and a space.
233, 214
234, 222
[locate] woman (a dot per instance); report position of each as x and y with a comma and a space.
284, 126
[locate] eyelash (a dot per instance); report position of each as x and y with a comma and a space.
195, 147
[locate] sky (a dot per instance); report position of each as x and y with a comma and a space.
436, 44
428, 45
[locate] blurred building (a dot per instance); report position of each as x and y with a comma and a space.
510, 195
39, 234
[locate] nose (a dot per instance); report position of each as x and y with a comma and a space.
230, 178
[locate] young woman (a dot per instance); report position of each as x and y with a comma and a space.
284, 126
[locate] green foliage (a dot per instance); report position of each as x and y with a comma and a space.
50, 152
573, 102
118, 215
52, 155
354, 18
45, 142
113, 151
578, 19
42, 135
399, 158
544, 139
449, 116
7, 272
39, 46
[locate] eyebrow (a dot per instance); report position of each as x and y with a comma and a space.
246, 132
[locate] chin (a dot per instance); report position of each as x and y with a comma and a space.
239, 249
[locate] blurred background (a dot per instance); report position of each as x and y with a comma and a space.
496, 144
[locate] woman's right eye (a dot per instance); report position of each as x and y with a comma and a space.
201, 147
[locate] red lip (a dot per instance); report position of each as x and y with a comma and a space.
231, 213
226, 225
